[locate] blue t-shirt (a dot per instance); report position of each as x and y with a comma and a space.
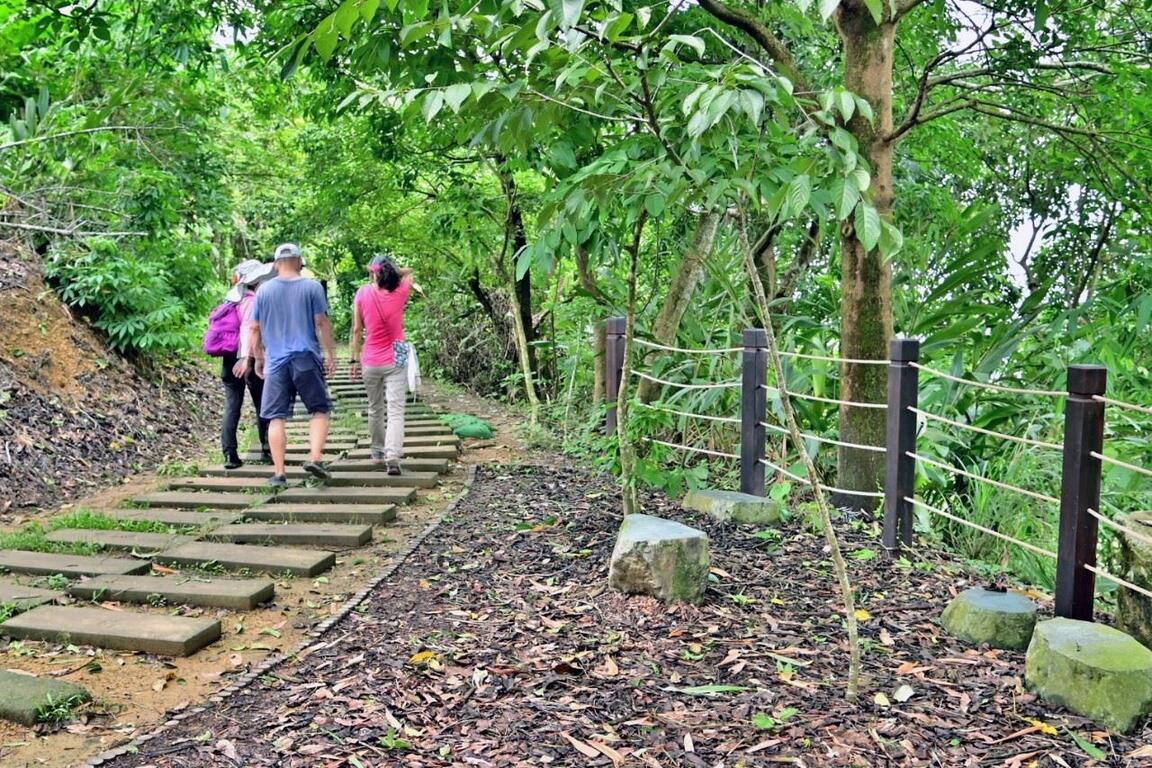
286, 311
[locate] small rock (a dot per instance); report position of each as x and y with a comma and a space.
1094, 670
733, 505
1000, 619
661, 558
1133, 610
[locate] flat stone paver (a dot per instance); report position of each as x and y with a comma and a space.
204, 500
347, 495
238, 484
437, 466
23, 697
414, 452
173, 517
23, 597
236, 557
367, 514
180, 589
258, 475
119, 630
128, 541
46, 564
315, 534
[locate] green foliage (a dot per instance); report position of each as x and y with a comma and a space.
32, 538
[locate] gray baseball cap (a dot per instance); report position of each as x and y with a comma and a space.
288, 251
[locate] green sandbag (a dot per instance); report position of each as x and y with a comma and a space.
466, 425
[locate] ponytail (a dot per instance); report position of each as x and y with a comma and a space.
387, 276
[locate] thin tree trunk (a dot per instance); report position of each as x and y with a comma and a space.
866, 281
685, 280
629, 496
599, 363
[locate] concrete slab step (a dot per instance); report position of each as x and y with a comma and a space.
313, 534
46, 564
376, 496
236, 557
196, 500
180, 589
245, 484
118, 630
413, 452
23, 698
126, 541
378, 476
174, 517
22, 597
436, 466
325, 513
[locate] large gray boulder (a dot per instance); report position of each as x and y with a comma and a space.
1134, 610
999, 619
733, 506
1094, 670
661, 558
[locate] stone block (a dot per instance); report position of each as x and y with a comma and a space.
998, 619
733, 506
1092, 669
660, 557
1133, 610
24, 699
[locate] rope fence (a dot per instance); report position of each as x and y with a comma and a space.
826, 440
829, 400
1121, 404
822, 486
986, 385
678, 385
1119, 463
824, 358
1132, 532
991, 433
976, 526
680, 447
1117, 580
683, 351
981, 478
689, 414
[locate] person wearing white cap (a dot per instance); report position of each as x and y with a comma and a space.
290, 324
246, 277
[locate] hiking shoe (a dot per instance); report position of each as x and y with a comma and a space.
278, 481
393, 467
232, 460
377, 456
265, 455
317, 470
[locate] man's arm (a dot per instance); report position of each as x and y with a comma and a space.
324, 331
255, 351
357, 332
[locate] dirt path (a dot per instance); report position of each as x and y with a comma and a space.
135, 692
498, 644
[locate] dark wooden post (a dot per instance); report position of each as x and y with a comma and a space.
616, 327
1080, 491
900, 468
753, 410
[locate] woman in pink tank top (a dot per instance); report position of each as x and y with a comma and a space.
378, 317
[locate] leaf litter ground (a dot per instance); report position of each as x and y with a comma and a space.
499, 644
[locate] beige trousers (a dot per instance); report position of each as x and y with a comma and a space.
387, 387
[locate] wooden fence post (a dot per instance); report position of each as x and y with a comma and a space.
900, 468
753, 410
1080, 491
616, 328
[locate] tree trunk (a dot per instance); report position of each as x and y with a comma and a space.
684, 282
599, 364
866, 282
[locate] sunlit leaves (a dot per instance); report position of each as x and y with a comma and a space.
868, 226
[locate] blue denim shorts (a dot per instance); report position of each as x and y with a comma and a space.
302, 375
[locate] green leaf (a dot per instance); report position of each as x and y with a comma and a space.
691, 41
368, 9
827, 8
654, 204
804, 5
847, 103
708, 690
865, 109
345, 17
568, 12
799, 192
325, 42
1089, 748
433, 102
891, 239
846, 198
861, 178
454, 95
867, 225
876, 8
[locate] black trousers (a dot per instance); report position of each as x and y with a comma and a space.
233, 401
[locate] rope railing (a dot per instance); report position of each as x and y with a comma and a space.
829, 400
689, 414
681, 447
678, 385
824, 358
823, 487
1119, 463
981, 478
992, 433
1122, 404
983, 529
986, 385
1110, 523
1117, 580
683, 351
826, 440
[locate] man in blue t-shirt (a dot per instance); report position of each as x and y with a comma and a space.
290, 323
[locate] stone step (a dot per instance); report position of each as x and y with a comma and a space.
242, 484
236, 557
377, 476
314, 534
414, 451
181, 589
175, 517
23, 697
22, 598
128, 541
118, 630
46, 564
325, 513
434, 466
346, 496
194, 500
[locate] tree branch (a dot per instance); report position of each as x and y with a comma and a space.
758, 31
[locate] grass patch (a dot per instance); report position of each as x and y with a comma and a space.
33, 538
57, 711
87, 519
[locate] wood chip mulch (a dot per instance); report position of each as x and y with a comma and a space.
499, 644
